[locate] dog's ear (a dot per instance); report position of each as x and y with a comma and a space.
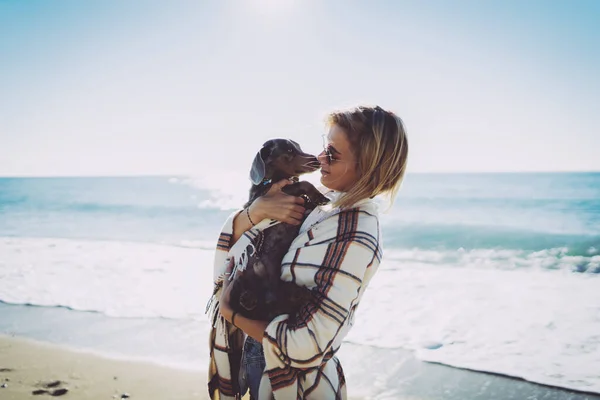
258, 171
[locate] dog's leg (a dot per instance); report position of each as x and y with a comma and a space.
306, 188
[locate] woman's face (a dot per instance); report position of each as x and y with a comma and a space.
339, 174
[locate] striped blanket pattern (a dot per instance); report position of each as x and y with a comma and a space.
335, 258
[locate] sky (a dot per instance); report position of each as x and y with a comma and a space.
195, 87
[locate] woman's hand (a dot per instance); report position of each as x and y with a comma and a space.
278, 205
224, 306
254, 328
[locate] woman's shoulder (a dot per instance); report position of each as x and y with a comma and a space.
360, 222
366, 210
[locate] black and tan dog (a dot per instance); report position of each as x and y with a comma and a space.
259, 293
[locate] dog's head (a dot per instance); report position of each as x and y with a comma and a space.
281, 159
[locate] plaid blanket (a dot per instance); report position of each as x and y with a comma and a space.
336, 258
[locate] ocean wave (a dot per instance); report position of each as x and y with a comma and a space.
107, 313
531, 323
118, 279
106, 208
501, 259
220, 196
193, 244
391, 356
519, 313
476, 236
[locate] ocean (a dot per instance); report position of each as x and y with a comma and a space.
489, 272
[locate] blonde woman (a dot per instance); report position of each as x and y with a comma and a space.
336, 253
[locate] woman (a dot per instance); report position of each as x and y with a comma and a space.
336, 254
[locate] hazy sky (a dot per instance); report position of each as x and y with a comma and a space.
126, 87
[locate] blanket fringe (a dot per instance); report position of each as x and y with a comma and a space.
240, 264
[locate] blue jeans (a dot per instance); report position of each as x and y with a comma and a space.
252, 367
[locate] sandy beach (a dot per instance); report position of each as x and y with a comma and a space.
28, 366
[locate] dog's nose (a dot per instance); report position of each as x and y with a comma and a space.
315, 163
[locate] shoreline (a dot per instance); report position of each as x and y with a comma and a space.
27, 366
413, 379
520, 379
179, 349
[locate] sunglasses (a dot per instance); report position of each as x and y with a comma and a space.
327, 150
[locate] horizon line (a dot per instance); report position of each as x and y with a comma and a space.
177, 175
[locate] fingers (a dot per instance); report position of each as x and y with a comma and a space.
293, 216
299, 200
281, 206
291, 220
297, 216
298, 210
229, 266
289, 217
277, 186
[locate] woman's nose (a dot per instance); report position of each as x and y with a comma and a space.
322, 157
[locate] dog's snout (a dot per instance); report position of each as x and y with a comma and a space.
314, 163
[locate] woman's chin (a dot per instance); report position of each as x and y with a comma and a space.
325, 181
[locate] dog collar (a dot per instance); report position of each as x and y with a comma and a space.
269, 181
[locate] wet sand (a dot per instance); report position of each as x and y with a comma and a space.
28, 367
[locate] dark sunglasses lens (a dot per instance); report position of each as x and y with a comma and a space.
328, 155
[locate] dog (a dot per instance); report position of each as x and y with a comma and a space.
258, 292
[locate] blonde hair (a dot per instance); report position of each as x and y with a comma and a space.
378, 141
